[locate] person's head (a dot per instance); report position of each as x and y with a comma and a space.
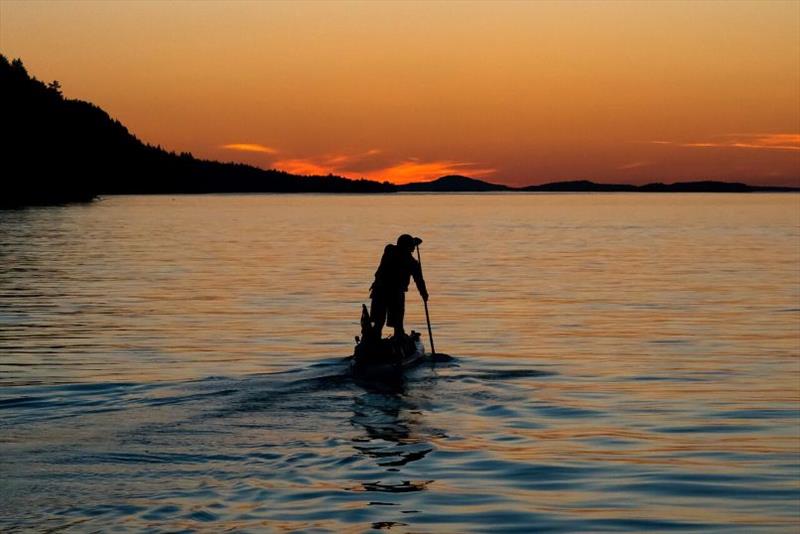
407, 242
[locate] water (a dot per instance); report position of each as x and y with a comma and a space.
620, 362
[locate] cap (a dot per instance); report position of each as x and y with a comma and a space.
408, 241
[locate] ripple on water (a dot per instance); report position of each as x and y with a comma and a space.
186, 373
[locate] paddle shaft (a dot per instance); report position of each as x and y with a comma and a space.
427, 315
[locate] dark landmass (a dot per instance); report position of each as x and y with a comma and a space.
452, 184
713, 187
580, 185
464, 184
706, 186
58, 150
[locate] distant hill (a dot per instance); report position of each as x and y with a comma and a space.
457, 184
453, 183
711, 187
579, 185
680, 187
62, 150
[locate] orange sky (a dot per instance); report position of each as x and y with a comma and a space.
517, 93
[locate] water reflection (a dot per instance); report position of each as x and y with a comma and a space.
392, 434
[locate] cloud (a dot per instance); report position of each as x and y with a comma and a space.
634, 165
783, 141
250, 147
329, 163
375, 165
303, 166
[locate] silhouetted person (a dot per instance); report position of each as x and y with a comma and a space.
388, 292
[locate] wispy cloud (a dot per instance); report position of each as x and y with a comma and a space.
784, 141
376, 165
250, 147
328, 163
633, 165
303, 166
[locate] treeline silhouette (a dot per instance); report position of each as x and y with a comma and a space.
57, 149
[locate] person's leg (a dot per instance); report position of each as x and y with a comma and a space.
377, 313
398, 313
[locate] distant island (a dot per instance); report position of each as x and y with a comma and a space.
466, 184
449, 184
59, 150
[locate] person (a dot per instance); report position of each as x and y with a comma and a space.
388, 291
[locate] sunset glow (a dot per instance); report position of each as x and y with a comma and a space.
511, 92
360, 167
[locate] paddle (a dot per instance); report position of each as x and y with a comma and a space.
427, 316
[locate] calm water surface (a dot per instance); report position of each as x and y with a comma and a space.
620, 362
